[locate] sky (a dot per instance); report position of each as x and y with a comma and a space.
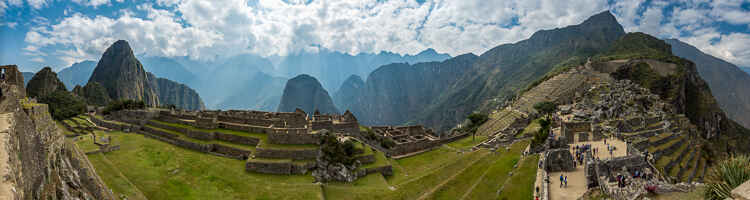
38, 33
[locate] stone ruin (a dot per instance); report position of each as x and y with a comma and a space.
557, 160
411, 139
9, 75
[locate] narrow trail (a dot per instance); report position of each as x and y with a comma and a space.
438, 186
6, 187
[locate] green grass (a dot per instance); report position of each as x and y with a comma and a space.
532, 128
118, 183
66, 132
467, 142
521, 184
164, 171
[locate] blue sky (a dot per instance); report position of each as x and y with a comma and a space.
38, 33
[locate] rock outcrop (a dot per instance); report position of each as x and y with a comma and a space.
728, 82
350, 93
306, 93
43, 83
124, 77
37, 162
174, 93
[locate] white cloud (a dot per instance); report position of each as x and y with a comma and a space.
209, 29
37, 4
93, 3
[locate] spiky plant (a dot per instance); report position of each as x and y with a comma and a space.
727, 175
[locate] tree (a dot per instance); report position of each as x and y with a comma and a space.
476, 120
63, 104
545, 108
335, 151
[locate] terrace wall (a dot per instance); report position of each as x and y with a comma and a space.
294, 154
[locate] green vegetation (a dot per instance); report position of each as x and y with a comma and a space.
545, 108
94, 93
123, 104
521, 184
158, 170
727, 175
335, 151
530, 130
63, 104
542, 134
384, 142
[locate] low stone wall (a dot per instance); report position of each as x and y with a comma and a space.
159, 132
292, 138
231, 151
105, 150
167, 127
199, 134
294, 154
384, 170
422, 145
236, 139
105, 124
366, 159
285, 168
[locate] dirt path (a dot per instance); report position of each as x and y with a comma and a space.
428, 193
6, 186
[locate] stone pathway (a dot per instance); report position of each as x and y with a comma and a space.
577, 179
7, 189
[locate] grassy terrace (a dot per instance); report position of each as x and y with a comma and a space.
664, 160
66, 132
654, 149
147, 168
681, 163
186, 138
532, 128
520, 186
468, 142
439, 174
659, 137
263, 137
691, 166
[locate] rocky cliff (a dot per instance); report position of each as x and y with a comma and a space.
43, 83
124, 77
306, 93
349, 95
728, 83
174, 93
35, 159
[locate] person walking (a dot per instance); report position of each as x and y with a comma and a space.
566, 181
561, 180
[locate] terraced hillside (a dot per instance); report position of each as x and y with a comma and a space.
154, 169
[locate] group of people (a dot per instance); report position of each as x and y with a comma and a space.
579, 153
563, 180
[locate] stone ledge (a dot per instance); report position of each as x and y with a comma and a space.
742, 192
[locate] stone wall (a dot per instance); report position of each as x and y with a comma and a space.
294, 154
366, 159
236, 139
159, 132
279, 137
384, 170
285, 168
231, 151
215, 149
106, 124
558, 160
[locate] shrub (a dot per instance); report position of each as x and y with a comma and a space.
726, 176
122, 105
541, 136
335, 151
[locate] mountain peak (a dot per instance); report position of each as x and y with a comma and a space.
602, 17
119, 48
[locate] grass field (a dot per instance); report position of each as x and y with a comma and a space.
156, 170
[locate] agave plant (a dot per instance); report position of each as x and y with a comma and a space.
727, 175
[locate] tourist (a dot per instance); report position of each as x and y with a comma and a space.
561, 180
566, 181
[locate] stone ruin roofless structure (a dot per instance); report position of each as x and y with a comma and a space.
294, 123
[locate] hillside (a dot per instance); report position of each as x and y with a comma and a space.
306, 93
260, 92
169, 69
27, 77
728, 82
124, 77
397, 93
43, 83
349, 95
77, 74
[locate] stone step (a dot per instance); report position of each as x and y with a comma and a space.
672, 168
695, 167
667, 148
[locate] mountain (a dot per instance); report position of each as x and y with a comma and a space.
124, 77
306, 93
168, 68
174, 93
43, 83
231, 76
746, 69
94, 94
485, 82
27, 77
332, 67
728, 83
77, 74
260, 92
349, 95
398, 92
